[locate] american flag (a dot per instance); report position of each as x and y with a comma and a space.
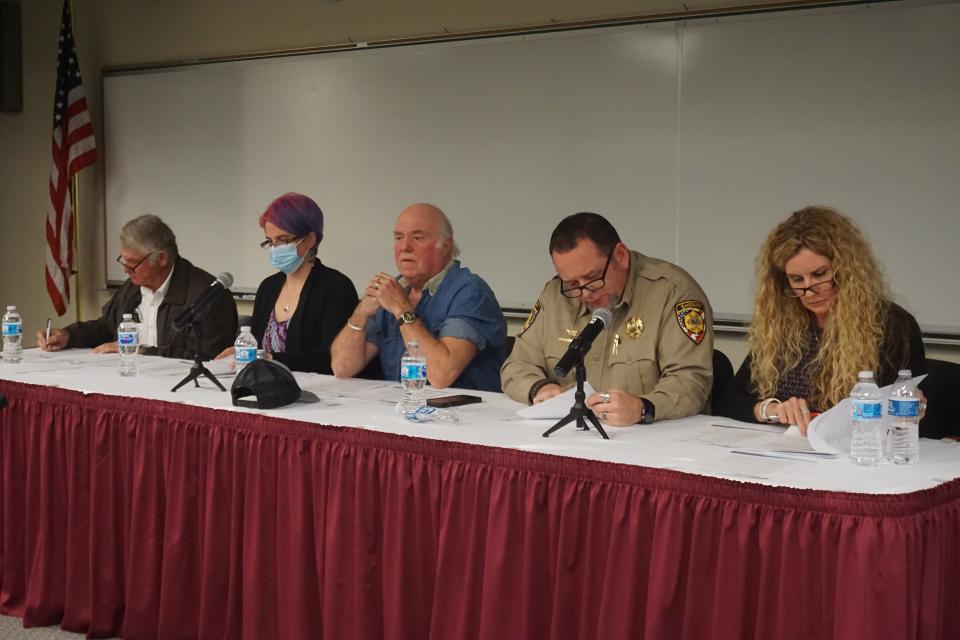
74, 148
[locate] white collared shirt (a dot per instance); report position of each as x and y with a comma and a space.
149, 303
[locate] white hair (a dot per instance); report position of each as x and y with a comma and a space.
446, 231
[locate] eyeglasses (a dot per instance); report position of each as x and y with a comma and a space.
593, 285
279, 242
133, 267
820, 287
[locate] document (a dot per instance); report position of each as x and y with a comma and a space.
556, 407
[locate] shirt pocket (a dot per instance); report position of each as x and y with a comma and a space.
634, 368
554, 350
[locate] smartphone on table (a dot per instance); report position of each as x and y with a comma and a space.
444, 402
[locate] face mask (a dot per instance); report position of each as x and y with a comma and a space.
285, 257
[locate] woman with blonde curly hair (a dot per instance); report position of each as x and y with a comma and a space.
822, 314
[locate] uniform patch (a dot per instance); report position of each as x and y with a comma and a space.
634, 327
530, 318
692, 319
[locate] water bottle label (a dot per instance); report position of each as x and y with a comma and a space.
867, 410
413, 371
12, 328
245, 355
903, 408
421, 413
127, 339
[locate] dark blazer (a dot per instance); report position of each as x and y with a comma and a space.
219, 325
902, 348
326, 302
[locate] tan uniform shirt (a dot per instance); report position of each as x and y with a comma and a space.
659, 346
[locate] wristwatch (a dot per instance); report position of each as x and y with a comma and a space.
648, 412
407, 317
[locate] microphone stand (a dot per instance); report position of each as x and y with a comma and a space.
579, 411
198, 369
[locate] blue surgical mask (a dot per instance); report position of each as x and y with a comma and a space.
285, 257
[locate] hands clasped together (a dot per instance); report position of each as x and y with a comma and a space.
385, 291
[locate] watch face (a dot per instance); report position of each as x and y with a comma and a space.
408, 317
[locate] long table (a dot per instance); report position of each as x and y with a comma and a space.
127, 510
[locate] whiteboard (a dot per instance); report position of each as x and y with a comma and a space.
693, 138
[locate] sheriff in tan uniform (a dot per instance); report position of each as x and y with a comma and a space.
658, 348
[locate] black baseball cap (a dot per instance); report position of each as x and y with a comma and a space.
271, 383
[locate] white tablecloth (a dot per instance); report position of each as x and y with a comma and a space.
693, 445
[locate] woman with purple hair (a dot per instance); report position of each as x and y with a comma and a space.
299, 310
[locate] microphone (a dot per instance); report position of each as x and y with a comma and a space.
199, 306
581, 344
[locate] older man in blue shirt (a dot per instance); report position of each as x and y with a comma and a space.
451, 312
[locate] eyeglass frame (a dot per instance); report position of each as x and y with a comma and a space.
134, 267
268, 244
799, 292
586, 286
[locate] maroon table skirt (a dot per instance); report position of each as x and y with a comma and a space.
147, 519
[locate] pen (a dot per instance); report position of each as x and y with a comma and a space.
48, 330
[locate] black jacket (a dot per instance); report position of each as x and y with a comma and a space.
326, 302
219, 325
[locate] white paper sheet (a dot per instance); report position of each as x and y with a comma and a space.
556, 407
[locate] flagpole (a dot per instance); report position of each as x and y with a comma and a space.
75, 199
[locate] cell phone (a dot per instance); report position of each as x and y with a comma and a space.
452, 401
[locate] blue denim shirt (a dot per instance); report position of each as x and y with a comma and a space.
460, 305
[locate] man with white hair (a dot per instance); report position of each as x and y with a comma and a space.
160, 285
448, 310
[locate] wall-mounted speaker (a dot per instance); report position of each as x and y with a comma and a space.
11, 58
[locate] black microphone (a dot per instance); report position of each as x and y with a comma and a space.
199, 306
581, 344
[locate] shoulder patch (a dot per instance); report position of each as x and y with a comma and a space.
692, 319
530, 318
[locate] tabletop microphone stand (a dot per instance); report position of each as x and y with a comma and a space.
198, 369
579, 411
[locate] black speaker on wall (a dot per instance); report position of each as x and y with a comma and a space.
11, 58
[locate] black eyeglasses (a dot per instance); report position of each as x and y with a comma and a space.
820, 287
133, 267
267, 244
593, 285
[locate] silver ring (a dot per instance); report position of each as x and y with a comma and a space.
804, 410
605, 397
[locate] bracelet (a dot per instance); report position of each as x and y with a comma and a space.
763, 411
353, 326
539, 384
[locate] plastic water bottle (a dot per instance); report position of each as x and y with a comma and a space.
413, 377
245, 348
866, 417
903, 410
128, 340
12, 336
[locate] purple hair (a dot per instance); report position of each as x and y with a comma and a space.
295, 213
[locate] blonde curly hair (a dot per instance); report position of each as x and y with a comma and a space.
854, 330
